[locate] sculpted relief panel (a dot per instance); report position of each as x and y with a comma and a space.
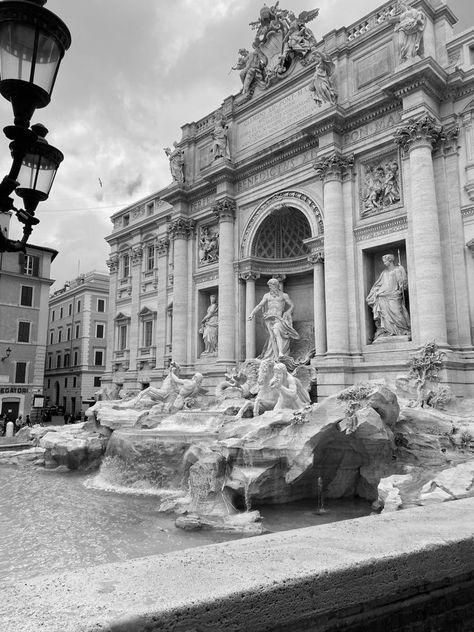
380, 185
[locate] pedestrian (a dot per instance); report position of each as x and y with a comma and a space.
28, 421
19, 423
66, 418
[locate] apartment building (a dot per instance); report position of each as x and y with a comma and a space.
24, 288
76, 342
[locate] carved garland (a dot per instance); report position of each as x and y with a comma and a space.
113, 263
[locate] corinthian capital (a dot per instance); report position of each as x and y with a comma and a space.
316, 257
224, 209
181, 228
334, 166
420, 130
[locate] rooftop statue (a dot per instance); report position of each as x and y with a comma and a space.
410, 27
322, 84
220, 145
176, 158
281, 38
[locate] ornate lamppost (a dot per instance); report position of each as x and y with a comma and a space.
33, 41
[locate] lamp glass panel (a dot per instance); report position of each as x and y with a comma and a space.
17, 47
37, 173
16, 50
47, 61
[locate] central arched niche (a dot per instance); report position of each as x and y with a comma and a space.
281, 235
278, 241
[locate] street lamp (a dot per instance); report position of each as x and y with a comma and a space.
33, 41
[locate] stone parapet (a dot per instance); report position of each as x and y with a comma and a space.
390, 571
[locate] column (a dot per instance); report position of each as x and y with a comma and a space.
134, 341
162, 248
249, 278
180, 230
224, 209
331, 170
320, 342
417, 137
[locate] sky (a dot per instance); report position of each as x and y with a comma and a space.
135, 73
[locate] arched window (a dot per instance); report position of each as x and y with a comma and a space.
281, 234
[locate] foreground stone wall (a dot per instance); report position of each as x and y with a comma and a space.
410, 570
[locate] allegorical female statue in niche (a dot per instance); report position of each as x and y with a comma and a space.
387, 300
209, 325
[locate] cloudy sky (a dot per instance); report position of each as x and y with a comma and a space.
136, 72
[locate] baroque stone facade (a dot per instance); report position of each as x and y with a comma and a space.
337, 151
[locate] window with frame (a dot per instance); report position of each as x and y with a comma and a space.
125, 266
101, 304
147, 333
98, 358
68, 333
58, 361
20, 373
65, 379
76, 357
61, 312
122, 337
29, 264
99, 330
60, 335
74, 382
51, 337
150, 258
69, 309
78, 306
96, 381
49, 383
50, 362
24, 331
26, 295
126, 220
67, 360
77, 331
53, 316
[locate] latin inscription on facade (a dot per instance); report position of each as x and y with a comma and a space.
289, 110
374, 127
277, 170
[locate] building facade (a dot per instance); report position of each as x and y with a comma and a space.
76, 343
24, 288
335, 153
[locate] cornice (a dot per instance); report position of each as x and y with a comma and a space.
426, 74
379, 229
